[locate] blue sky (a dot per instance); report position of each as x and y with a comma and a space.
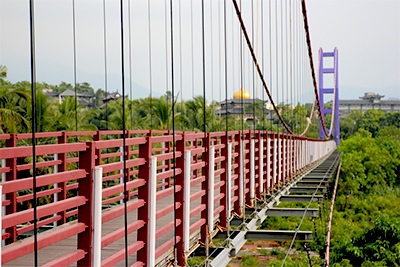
367, 34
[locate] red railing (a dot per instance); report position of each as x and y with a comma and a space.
259, 161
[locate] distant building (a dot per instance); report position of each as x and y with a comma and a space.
367, 102
112, 96
240, 105
85, 98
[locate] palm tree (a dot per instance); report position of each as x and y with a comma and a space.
162, 113
66, 113
13, 104
3, 73
44, 113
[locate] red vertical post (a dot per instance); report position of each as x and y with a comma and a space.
269, 162
236, 206
224, 176
143, 193
257, 161
10, 176
204, 186
290, 140
287, 166
128, 157
167, 180
179, 180
87, 162
97, 137
294, 155
297, 155
281, 158
272, 159
62, 167
247, 168
277, 157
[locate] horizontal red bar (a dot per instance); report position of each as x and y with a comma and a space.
119, 210
167, 156
197, 180
44, 240
120, 165
42, 211
120, 233
81, 133
119, 142
29, 227
166, 192
27, 183
166, 228
167, 245
197, 195
168, 209
68, 259
38, 135
120, 255
197, 225
39, 194
23, 152
39, 165
113, 190
5, 136
197, 210
168, 174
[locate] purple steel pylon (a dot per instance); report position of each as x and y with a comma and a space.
334, 91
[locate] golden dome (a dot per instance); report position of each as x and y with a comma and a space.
241, 94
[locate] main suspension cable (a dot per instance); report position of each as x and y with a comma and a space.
303, 6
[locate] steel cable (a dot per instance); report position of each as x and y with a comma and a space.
257, 66
33, 106
305, 210
173, 121
74, 48
306, 28
123, 131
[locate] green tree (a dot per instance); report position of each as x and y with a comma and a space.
3, 73
371, 121
13, 104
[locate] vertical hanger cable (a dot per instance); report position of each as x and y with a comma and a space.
173, 121
74, 48
33, 106
123, 132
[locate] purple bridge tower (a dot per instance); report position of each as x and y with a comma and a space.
335, 91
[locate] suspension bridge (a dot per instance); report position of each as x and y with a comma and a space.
155, 197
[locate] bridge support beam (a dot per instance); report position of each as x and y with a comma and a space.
314, 183
276, 235
291, 212
301, 198
299, 189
